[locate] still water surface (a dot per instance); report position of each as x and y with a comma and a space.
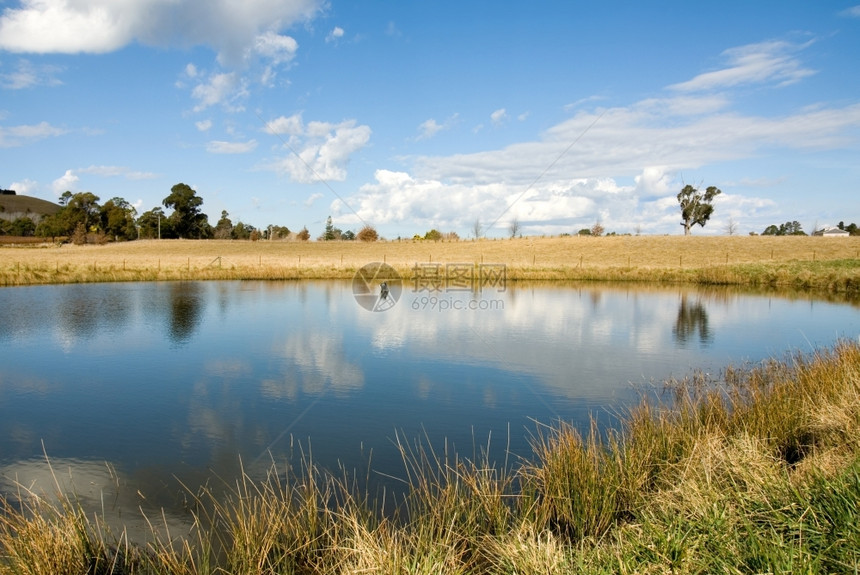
131, 387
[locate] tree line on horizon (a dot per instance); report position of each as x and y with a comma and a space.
83, 220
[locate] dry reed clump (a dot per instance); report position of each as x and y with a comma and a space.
759, 472
42, 537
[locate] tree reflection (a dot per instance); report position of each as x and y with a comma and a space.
186, 305
692, 321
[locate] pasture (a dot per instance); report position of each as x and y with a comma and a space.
798, 261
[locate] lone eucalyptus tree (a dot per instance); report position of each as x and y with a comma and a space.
696, 207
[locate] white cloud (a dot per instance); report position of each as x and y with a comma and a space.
218, 89
65, 182
499, 116
204, 125
292, 126
68, 180
17, 136
27, 75
621, 142
319, 150
654, 180
620, 165
221, 147
431, 127
752, 64
99, 26
335, 34
116, 172
25, 188
428, 129
313, 198
399, 197
852, 12
276, 47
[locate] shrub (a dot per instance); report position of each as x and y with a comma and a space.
367, 234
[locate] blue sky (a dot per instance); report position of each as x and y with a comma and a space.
412, 115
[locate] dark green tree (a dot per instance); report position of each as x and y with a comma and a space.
696, 207
791, 229
224, 228
329, 234
117, 219
278, 232
433, 235
52, 226
787, 229
187, 220
154, 225
24, 227
242, 231
84, 208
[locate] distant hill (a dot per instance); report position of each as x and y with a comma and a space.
14, 207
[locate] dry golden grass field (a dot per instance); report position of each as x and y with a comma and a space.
798, 261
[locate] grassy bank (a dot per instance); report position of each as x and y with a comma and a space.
757, 474
805, 262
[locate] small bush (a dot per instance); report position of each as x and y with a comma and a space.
367, 234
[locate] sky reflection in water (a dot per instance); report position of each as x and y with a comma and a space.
140, 384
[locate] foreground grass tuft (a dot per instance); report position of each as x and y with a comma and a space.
756, 473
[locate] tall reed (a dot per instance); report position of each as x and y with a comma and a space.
755, 471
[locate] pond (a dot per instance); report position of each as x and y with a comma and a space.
129, 389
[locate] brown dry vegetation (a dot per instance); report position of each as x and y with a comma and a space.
806, 262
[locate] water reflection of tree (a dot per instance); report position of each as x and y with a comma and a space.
186, 305
692, 320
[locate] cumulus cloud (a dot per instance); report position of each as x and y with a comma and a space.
221, 147
335, 34
27, 187
621, 165
318, 150
204, 125
276, 47
499, 116
99, 26
226, 89
65, 182
283, 125
398, 197
765, 62
17, 136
